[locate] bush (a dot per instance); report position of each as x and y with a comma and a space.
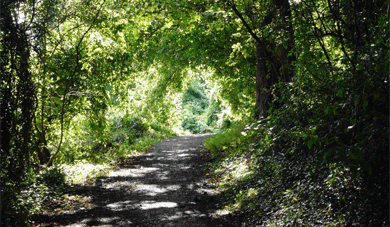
312, 162
228, 140
127, 129
52, 177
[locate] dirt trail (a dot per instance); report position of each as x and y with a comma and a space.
164, 187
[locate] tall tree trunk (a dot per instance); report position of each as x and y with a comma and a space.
261, 82
274, 65
286, 57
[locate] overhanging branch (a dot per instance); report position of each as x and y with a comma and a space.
250, 30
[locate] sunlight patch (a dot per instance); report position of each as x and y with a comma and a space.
82, 172
107, 220
151, 189
147, 205
119, 206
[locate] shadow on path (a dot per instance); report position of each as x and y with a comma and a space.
164, 187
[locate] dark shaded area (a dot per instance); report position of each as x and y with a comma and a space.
16, 113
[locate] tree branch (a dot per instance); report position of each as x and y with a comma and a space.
250, 30
65, 101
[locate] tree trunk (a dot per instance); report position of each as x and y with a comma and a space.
274, 65
286, 59
261, 82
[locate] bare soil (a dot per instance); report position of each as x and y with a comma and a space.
167, 186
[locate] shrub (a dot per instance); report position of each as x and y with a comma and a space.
229, 139
52, 177
127, 129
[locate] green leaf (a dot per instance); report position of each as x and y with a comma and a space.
310, 143
340, 93
326, 155
354, 154
327, 109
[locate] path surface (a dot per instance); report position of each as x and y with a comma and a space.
164, 187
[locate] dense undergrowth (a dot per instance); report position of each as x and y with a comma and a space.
122, 135
307, 166
321, 155
81, 163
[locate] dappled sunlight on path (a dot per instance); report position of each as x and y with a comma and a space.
164, 187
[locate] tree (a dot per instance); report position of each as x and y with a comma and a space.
17, 109
195, 40
61, 72
270, 22
316, 68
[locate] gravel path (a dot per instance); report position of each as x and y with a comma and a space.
164, 187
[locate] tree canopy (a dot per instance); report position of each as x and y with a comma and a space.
83, 76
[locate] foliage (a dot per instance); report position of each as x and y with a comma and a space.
321, 157
46, 188
272, 178
127, 130
199, 113
82, 173
17, 110
93, 83
124, 135
52, 177
225, 141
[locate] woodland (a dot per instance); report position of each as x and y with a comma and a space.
296, 92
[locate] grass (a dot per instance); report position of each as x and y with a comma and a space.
226, 141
